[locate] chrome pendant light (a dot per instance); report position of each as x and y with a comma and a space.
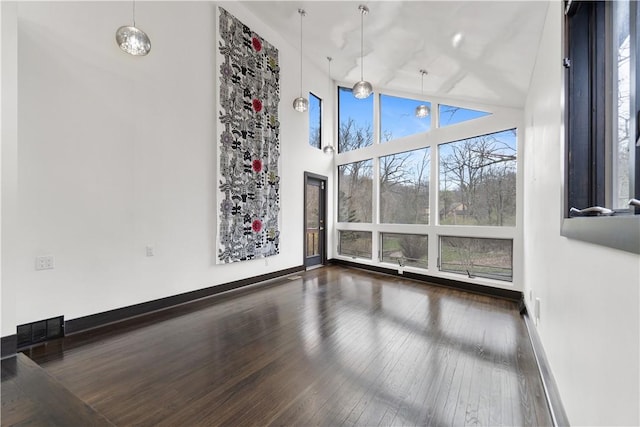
301, 103
329, 149
132, 39
422, 110
362, 89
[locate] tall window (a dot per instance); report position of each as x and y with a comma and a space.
355, 121
355, 191
478, 180
315, 121
621, 105
404, 187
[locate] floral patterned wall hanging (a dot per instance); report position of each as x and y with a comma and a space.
249, 143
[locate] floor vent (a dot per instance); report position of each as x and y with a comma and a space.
294, 277
40, 331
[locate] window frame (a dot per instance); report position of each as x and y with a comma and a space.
499, 119
586, 116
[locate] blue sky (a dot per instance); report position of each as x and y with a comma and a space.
398, 114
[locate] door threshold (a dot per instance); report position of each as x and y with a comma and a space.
313, 267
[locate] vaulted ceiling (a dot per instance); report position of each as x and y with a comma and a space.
491, 62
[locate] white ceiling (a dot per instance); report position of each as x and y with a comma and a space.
492, 64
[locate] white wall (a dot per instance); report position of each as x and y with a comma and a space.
589, 322
116, 152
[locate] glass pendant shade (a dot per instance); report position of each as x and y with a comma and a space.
422, 111
133, 40
362, 89
328, 149
300, 104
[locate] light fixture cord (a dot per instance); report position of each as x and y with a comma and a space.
301, 15
134, 13
328, 92
361, 45
422, 84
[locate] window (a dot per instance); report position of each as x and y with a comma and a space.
477, 257
397, 118
355, 118
315, 120
395, 208
410, 249
478, 180
354, 191
451, 115
355, 244
404, 187
602, 108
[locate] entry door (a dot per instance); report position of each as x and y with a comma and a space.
315, 202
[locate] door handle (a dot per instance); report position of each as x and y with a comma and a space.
321, 228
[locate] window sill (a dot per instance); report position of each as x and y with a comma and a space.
618, 232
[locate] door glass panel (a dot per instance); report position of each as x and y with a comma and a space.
313, 220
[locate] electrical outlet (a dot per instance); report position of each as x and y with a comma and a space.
150, 251
530, 295
45, 262
537, 310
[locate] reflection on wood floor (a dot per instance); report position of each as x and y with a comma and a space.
335, 346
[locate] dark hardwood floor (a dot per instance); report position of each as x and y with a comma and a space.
32, 397
334, 346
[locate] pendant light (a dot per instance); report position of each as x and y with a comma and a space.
132, 39
301, 103
422, 110
329, 149
362, 89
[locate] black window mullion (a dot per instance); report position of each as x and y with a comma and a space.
578, 107
586, 93
598, 110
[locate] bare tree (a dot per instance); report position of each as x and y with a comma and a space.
482, 172
355, 186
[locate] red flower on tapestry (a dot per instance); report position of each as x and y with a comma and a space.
256, 225
257, 165
257, 105
257, 45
